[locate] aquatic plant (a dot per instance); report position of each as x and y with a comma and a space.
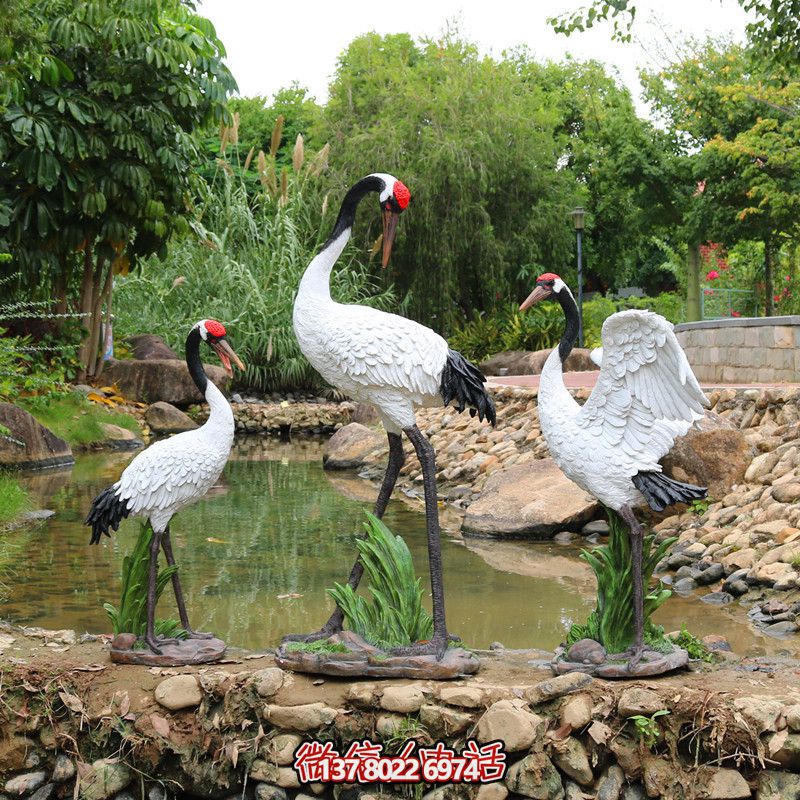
611, 623
395, 617
131, 617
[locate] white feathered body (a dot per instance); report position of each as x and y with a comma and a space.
646, 396
173, 473
375, 357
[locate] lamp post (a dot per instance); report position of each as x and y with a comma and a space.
577, 215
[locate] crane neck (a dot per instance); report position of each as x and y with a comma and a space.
316, 279
220, 413
572, 317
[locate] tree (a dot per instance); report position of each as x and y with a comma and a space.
98, 157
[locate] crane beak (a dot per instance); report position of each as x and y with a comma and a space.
539, 293
226, 355
390, 220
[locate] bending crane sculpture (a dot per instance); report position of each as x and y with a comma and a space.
173, 473
391, 362
646, 396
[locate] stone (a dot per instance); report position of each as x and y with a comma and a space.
26, 783
786, 493
738, 588
789, 755
265, 791
713, 454
464, 696
115, 437
180, 654
760, 466
738, 560
150, 346
179, 691
157, 792
105, 780
792, 714
281, 748
45, 792
63, 769
513, 723
595, 526
306, 717
442, 721
724, 784
492, 791
638, 700
570, 756
684, 586
350, 446
774, 785
576, 711
781, 629
165, 418
611, 784
633, 792
559, 686
523, 362
528, 501
586, 651
761, 712
405, 699
769, 573
160, 379
29, 445
268, 681
535, 776
564, 537
711, 574
717, 598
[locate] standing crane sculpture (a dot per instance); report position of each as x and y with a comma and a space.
646, 396
392, 363
172, 474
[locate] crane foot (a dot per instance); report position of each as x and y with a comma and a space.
190, 634
151, 642
325, 632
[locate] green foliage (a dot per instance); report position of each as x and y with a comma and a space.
13, 498
131, 616
693, 646
700, 506
611, 623
396, 616
648, 731
321, 646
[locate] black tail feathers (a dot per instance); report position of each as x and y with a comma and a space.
108, 510
462, 382
661, 491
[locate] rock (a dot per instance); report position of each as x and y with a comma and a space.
576, 711
465, 696
492, 791
268, 681
281, 748
724, 784
760, 712
150, 346
786, 492
535, 776
350, 445
116, 437
300, 718
684, 586
523, 362
769, 573
711, 574
717, 598
528, 501
714, 455
792, 714
773, 785
165, 418
633, 792
570, 756
45, 792
404, 699
105, 780
760, 466
586, 651
781, 629
265, 791
160, 379
595, 526
157, 792
611, 784
25, 783
558, 686
564, 537
739, 560
29, 445
179, 691
789, 754
738, 588
63, 769
512, 722
637, 700
441, 721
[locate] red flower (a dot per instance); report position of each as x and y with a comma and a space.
712, 275
735, 314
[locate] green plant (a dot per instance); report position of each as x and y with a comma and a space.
396, 616
13, 498
693, 646
700, 506
648, 731
322, 646
611, 623
131, 616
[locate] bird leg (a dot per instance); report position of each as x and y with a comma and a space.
166, 543
427, 459
336, 620
149, 636
636, 535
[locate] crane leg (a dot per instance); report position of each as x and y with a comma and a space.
636, 534
336, 620
166, 543
427, 459
149, 636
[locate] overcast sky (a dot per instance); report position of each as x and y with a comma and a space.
271, 44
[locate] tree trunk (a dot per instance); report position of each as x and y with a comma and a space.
85, 310
769, 282
108, 290
693, 306
101, 290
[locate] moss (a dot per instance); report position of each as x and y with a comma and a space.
323, 646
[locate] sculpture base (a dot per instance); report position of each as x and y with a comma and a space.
652, 663
183, 653
361, 659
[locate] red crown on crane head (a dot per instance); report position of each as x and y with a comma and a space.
401, 194
548, 276
216, 329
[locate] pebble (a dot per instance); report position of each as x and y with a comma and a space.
26, 783
718, 598
63, 769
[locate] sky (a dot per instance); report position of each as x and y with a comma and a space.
271, 44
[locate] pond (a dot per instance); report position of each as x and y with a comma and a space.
277, 526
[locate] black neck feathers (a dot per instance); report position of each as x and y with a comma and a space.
347, 213
193, 360
570, 308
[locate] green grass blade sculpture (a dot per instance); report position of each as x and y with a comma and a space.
131, 616
611, 623
395, 617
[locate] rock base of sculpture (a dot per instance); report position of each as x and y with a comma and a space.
180, 654
652, 662
361, 659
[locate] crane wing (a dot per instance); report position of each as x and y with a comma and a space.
646, 395
169, 472
377, 349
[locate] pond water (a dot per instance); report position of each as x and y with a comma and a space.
279, 525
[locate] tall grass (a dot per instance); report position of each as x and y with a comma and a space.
242, 264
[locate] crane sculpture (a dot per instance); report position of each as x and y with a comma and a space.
392, 363
173, 473
646, 396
